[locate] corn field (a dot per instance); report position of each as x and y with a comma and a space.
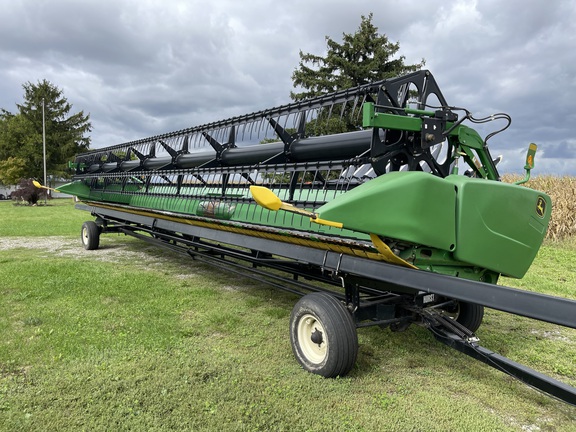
562, 190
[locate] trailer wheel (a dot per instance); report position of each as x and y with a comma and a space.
470, 315
90, 235
323, 335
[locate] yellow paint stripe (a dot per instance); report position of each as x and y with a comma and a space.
385, 254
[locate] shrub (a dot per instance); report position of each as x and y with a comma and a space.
28, 192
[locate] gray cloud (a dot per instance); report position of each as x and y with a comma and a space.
144, 67
561, 150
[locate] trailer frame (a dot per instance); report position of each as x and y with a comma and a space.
341, 285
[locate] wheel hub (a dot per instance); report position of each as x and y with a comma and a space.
316, 337
313, 344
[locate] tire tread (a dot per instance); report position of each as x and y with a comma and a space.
339, 323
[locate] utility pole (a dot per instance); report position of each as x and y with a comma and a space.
44, 147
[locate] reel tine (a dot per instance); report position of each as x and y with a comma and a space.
185, 145
276, 121
232, 136
295, 120
247, 128
343, 109
360, 105
329, 113
251, 129
314, 114
255, 126
259, 125
262, 129
352, 113
310, 114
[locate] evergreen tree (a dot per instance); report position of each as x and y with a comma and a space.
363, 57
21, 133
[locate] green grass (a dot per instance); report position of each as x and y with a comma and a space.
130, 337
55, 218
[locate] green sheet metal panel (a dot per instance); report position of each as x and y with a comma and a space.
416, 207
499, 226
77, 188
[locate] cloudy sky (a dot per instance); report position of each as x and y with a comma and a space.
144, 67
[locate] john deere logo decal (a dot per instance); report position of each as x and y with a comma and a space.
541, 206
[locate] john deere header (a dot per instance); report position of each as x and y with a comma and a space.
377, 204
408, 172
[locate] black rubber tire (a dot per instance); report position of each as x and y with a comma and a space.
323, 335
90, 235
470, 315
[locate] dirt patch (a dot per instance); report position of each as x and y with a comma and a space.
67, 247
48, 243
140, 254
109, 251
552, 335
234, 288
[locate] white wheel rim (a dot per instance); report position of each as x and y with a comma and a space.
85, 236
309, 327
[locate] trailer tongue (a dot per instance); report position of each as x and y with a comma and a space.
374, 225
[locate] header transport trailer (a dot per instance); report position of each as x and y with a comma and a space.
400, 218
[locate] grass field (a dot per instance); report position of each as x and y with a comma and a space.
130, 337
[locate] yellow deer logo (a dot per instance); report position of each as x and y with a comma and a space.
541, 207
